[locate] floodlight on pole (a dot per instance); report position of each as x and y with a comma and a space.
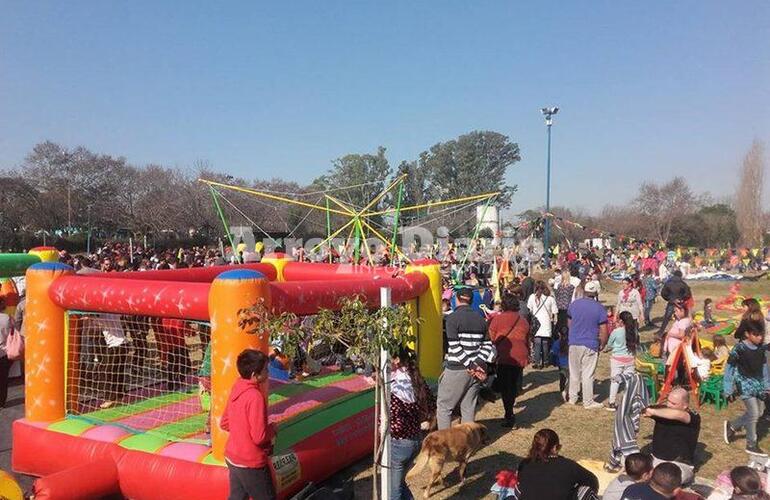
548, 114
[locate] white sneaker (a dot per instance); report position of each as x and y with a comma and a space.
593, 405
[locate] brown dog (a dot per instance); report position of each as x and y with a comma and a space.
456, 444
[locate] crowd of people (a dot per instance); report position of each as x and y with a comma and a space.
500, 319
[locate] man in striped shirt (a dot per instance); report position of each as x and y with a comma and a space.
469, 351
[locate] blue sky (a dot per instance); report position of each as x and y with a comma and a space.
647, 90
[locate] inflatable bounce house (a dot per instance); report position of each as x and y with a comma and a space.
102, 418
13, 265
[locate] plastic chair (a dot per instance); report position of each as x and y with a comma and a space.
718, 366
710, 391
646, 357
649, 373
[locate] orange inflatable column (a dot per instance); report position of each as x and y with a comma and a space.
44, 350
278, 261
230, 292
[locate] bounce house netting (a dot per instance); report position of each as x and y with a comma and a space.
141, 374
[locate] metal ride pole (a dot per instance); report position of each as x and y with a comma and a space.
384, 408
548, 202
548, 113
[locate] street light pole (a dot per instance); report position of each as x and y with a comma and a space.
548, 113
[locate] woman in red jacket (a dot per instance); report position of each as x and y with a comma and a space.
510, 334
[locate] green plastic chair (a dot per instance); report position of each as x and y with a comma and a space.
710, 391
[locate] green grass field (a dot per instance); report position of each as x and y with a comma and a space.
585, 434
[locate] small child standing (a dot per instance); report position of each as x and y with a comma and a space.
708, 319
747, 369
248, 448
560, 359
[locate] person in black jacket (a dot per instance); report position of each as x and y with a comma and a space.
674, 291
753, 314
469, 351
546, 474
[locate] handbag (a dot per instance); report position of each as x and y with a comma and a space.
534, 324
14, 345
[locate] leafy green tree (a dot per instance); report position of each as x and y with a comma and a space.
370, 172
416, 189
474, 163
720, 226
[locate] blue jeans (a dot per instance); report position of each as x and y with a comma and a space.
402, 453
754, 408
647, 309
541, 350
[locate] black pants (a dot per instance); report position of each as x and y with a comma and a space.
561, 320
666, 318
5, 369
254, 483
508, 381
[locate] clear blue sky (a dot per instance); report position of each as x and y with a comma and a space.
647, 90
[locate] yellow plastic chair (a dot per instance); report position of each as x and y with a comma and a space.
649, 373
706, 344
718, 366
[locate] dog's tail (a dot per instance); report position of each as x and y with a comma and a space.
420, 462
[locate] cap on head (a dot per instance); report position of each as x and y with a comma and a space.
592, 287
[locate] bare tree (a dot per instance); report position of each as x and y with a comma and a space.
660, 205
748, 198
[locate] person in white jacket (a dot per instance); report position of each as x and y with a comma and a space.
629, 299
542, 306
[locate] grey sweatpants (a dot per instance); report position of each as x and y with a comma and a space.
582, 368
456, 386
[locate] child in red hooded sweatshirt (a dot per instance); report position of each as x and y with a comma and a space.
250, 443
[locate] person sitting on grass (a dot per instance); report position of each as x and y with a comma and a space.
546, 474
250, 443
664, 484
638, 470
747, 372
676, 432
747, 484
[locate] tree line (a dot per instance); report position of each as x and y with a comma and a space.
60, 194
671, 212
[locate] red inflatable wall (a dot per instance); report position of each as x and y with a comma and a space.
66, 460
197, 274
189, 300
